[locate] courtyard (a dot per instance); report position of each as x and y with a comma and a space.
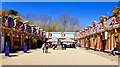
71, 56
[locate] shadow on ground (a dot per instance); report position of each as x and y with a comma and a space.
13, 55
49, 52
28, 52
14, 52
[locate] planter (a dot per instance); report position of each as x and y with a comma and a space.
87, 48
34, 43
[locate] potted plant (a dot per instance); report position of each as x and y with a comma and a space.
34, 41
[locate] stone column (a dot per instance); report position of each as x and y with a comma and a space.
11, 39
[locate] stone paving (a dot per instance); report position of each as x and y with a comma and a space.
70, 56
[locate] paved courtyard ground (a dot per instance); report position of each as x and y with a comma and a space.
71, 56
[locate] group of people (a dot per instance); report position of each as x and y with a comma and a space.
64, 46
54, 46
45, 47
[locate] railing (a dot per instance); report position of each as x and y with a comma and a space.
116, 26
21, 35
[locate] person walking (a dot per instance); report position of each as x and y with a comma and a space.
63, 46
43, 47
46, 48
113, 52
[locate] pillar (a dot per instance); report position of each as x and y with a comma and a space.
101, 44
119, 45
108, 41
83, 40
0, 36
119, 39
98, 41
11, 39
112, 41
0, 41
22, 39
91, 42
29, 42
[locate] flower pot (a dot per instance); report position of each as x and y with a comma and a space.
87, 48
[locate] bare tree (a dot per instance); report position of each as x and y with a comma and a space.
63, 23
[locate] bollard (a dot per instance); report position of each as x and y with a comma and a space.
25, 48
6, 49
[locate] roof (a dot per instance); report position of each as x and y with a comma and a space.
52, 40
67, 40
59, 34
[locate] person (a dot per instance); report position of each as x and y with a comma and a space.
63, 46
43, 47
53, 46
46, 48
113, 52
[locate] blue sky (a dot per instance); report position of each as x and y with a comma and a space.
86, 12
